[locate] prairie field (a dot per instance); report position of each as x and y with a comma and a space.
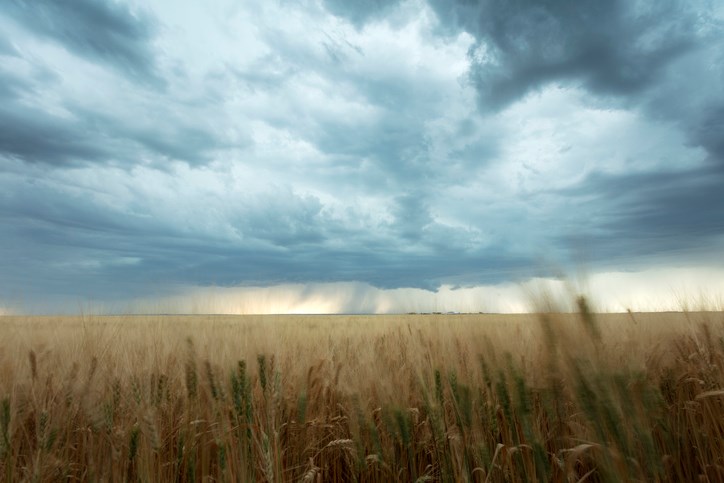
519, 398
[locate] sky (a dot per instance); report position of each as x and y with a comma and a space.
371, 156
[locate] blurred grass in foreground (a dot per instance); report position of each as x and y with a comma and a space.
547, 397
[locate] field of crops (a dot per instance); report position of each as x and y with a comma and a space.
547, 397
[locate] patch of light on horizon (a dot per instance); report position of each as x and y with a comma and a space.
670, 289
650, 290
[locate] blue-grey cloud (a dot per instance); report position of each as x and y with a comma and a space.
6, 47
164, 132
649, 214
390, 148
616, 50
393, 139
60, 237
612, 48
369, 142
624, 54
362, 11
92, 135
34, 135
709, 130
39, 137
108, 32
412, 216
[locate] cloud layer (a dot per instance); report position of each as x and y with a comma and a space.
411, 144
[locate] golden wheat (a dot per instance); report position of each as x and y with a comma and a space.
548, 397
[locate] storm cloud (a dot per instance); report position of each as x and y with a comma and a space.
149, 148
616, 48
106, 32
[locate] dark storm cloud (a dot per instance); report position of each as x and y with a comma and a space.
53, 237
11, 87
364, 160
48, 239
394, 145
647, 214
107, 32
295, 220
6, 47
86, 135
361, 11
708, 132
389, 146
164, 130
392, 268
412, 215
625, 54
617, 47
38, 137
135, 128
391, 137
15, 85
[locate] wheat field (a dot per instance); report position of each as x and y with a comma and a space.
519, 398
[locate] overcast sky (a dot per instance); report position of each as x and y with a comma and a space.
150, 149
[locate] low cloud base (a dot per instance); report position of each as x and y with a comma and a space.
664, 289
